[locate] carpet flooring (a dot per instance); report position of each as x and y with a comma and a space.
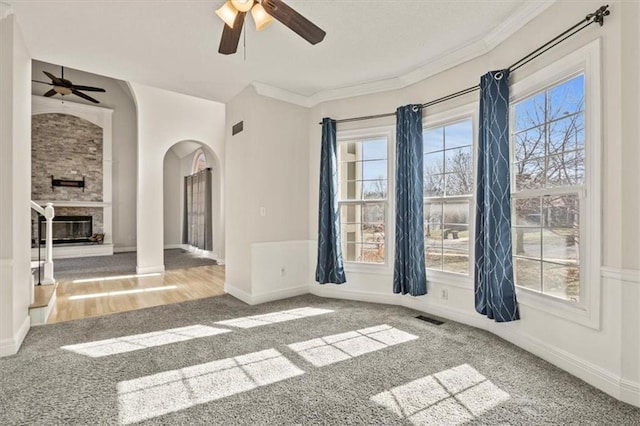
122, 264
304, 360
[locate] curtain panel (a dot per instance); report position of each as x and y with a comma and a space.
409, 273
330, 267
495, 294
197, 220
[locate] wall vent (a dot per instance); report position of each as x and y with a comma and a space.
237, 128
431, 320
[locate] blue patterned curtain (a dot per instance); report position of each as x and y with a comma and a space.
330, 268
495, 294
409, 274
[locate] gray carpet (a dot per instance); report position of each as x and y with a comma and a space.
122, 264
418, 375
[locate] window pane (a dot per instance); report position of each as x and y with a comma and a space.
433, 213
566, 98
433, 140
460, 183
566, 134
530, 112
529, 174
458, 134
562, 281
374, 149
433, 257
526, 211
530, 144
566, 169
456, 261
374, 189
561, 211
456, 237
373, 169
528, 273
433, 185
433, 163
456, 213
560, 245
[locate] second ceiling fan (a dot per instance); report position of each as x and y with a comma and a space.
233, 14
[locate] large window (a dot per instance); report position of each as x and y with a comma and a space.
362, 173
448, 195
548, 182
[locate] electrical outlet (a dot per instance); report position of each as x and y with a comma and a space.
444, 294
283, 271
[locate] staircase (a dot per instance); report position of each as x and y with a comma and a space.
43, 283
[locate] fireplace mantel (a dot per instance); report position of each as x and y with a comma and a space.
74, 203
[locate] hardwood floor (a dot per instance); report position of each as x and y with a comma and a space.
76, 300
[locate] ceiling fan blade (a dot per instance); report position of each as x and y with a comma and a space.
294, 21
88, 88
231, 36
42, 82
56, 81
50, 93
83, 96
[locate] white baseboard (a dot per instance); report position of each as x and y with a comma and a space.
238, 293
269, 296
11, 346
124, 249
283, 293
149, 269
630, 392
175, 246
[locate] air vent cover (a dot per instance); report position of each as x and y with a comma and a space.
431, 320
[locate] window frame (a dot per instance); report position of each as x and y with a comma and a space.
585, 60
440, 119
355, 135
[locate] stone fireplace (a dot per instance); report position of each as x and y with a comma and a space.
72, 143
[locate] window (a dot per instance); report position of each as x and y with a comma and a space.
199, 162
448, 195
363, 194
548, 183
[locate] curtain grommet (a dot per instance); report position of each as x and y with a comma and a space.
415, 108
498, 75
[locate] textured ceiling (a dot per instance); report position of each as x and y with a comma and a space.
173, 44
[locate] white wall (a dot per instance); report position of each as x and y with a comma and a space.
267, 168
606, 356
165, 118
172, 177
124, 144
15, 186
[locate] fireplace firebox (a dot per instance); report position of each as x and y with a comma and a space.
68, 229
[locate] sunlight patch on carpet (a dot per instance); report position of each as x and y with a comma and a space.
136, 342
152, 396
339, 347
451, 397
274, 317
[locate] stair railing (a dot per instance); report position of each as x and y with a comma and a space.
49, 213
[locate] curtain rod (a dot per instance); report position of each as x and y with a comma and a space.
595, 17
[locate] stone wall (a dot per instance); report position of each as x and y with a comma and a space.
66, 147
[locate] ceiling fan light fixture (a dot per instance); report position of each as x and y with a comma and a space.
242, 5
260, 17
62, 90
228, 13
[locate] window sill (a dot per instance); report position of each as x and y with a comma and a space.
368, 268
449, 279
561, 308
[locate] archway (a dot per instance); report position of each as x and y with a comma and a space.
183, 159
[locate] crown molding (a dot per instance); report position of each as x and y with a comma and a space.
451, 58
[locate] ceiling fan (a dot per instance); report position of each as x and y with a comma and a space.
263, 11
62, 86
